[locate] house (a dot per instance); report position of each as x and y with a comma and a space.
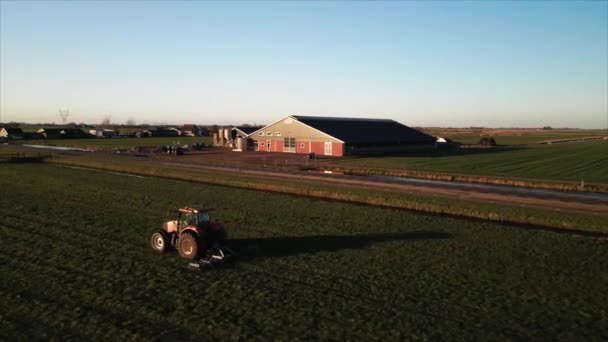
103, 133
12, 133
162, 132
63, 133
335, 136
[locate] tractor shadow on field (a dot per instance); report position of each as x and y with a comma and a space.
254, 248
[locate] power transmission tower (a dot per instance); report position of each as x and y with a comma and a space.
63, 114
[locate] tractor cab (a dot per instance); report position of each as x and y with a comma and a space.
192, 217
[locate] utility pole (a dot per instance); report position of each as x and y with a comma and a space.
63, 114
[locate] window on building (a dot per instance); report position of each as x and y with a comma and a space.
261, 133
277, 134
269, 134
289, 144
255, 145
302, 145
261, 143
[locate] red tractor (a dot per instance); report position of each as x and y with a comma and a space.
192, 234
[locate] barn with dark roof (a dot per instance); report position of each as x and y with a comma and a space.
11, 133
63, 133
335, 136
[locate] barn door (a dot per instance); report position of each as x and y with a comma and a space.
328, 149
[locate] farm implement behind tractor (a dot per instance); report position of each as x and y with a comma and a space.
195, 237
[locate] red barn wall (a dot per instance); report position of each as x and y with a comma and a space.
337, 149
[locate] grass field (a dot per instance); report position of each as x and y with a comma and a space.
515, 136
520, 156
75, 263
586, 161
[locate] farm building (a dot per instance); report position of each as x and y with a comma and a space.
63, 133
336, 136
242, 131
235, 137
32, 135
193, 131
11, 133
162, 132
142, 134
103, 133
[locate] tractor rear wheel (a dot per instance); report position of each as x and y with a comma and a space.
188, 246
159, 241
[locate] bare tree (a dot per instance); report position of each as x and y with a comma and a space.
130, 122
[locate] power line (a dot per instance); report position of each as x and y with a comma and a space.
63, 114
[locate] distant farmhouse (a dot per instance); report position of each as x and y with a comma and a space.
63, 133
334, 136
165, 132
12, 133
193, 131
103, 133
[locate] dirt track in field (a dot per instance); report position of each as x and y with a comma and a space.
508, 196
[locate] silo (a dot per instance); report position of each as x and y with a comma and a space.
227, 134
241, 144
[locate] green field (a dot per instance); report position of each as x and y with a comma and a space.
586, 161
523, 137
106, 144
75, 264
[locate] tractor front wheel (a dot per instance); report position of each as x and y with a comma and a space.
159, 242
187, 246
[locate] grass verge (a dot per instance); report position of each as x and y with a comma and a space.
384, 198
450, 177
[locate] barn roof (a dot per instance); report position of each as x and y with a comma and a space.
163, 130
248, 129
59, 130
365, 131
12, 130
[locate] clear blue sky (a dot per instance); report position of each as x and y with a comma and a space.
455, 63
